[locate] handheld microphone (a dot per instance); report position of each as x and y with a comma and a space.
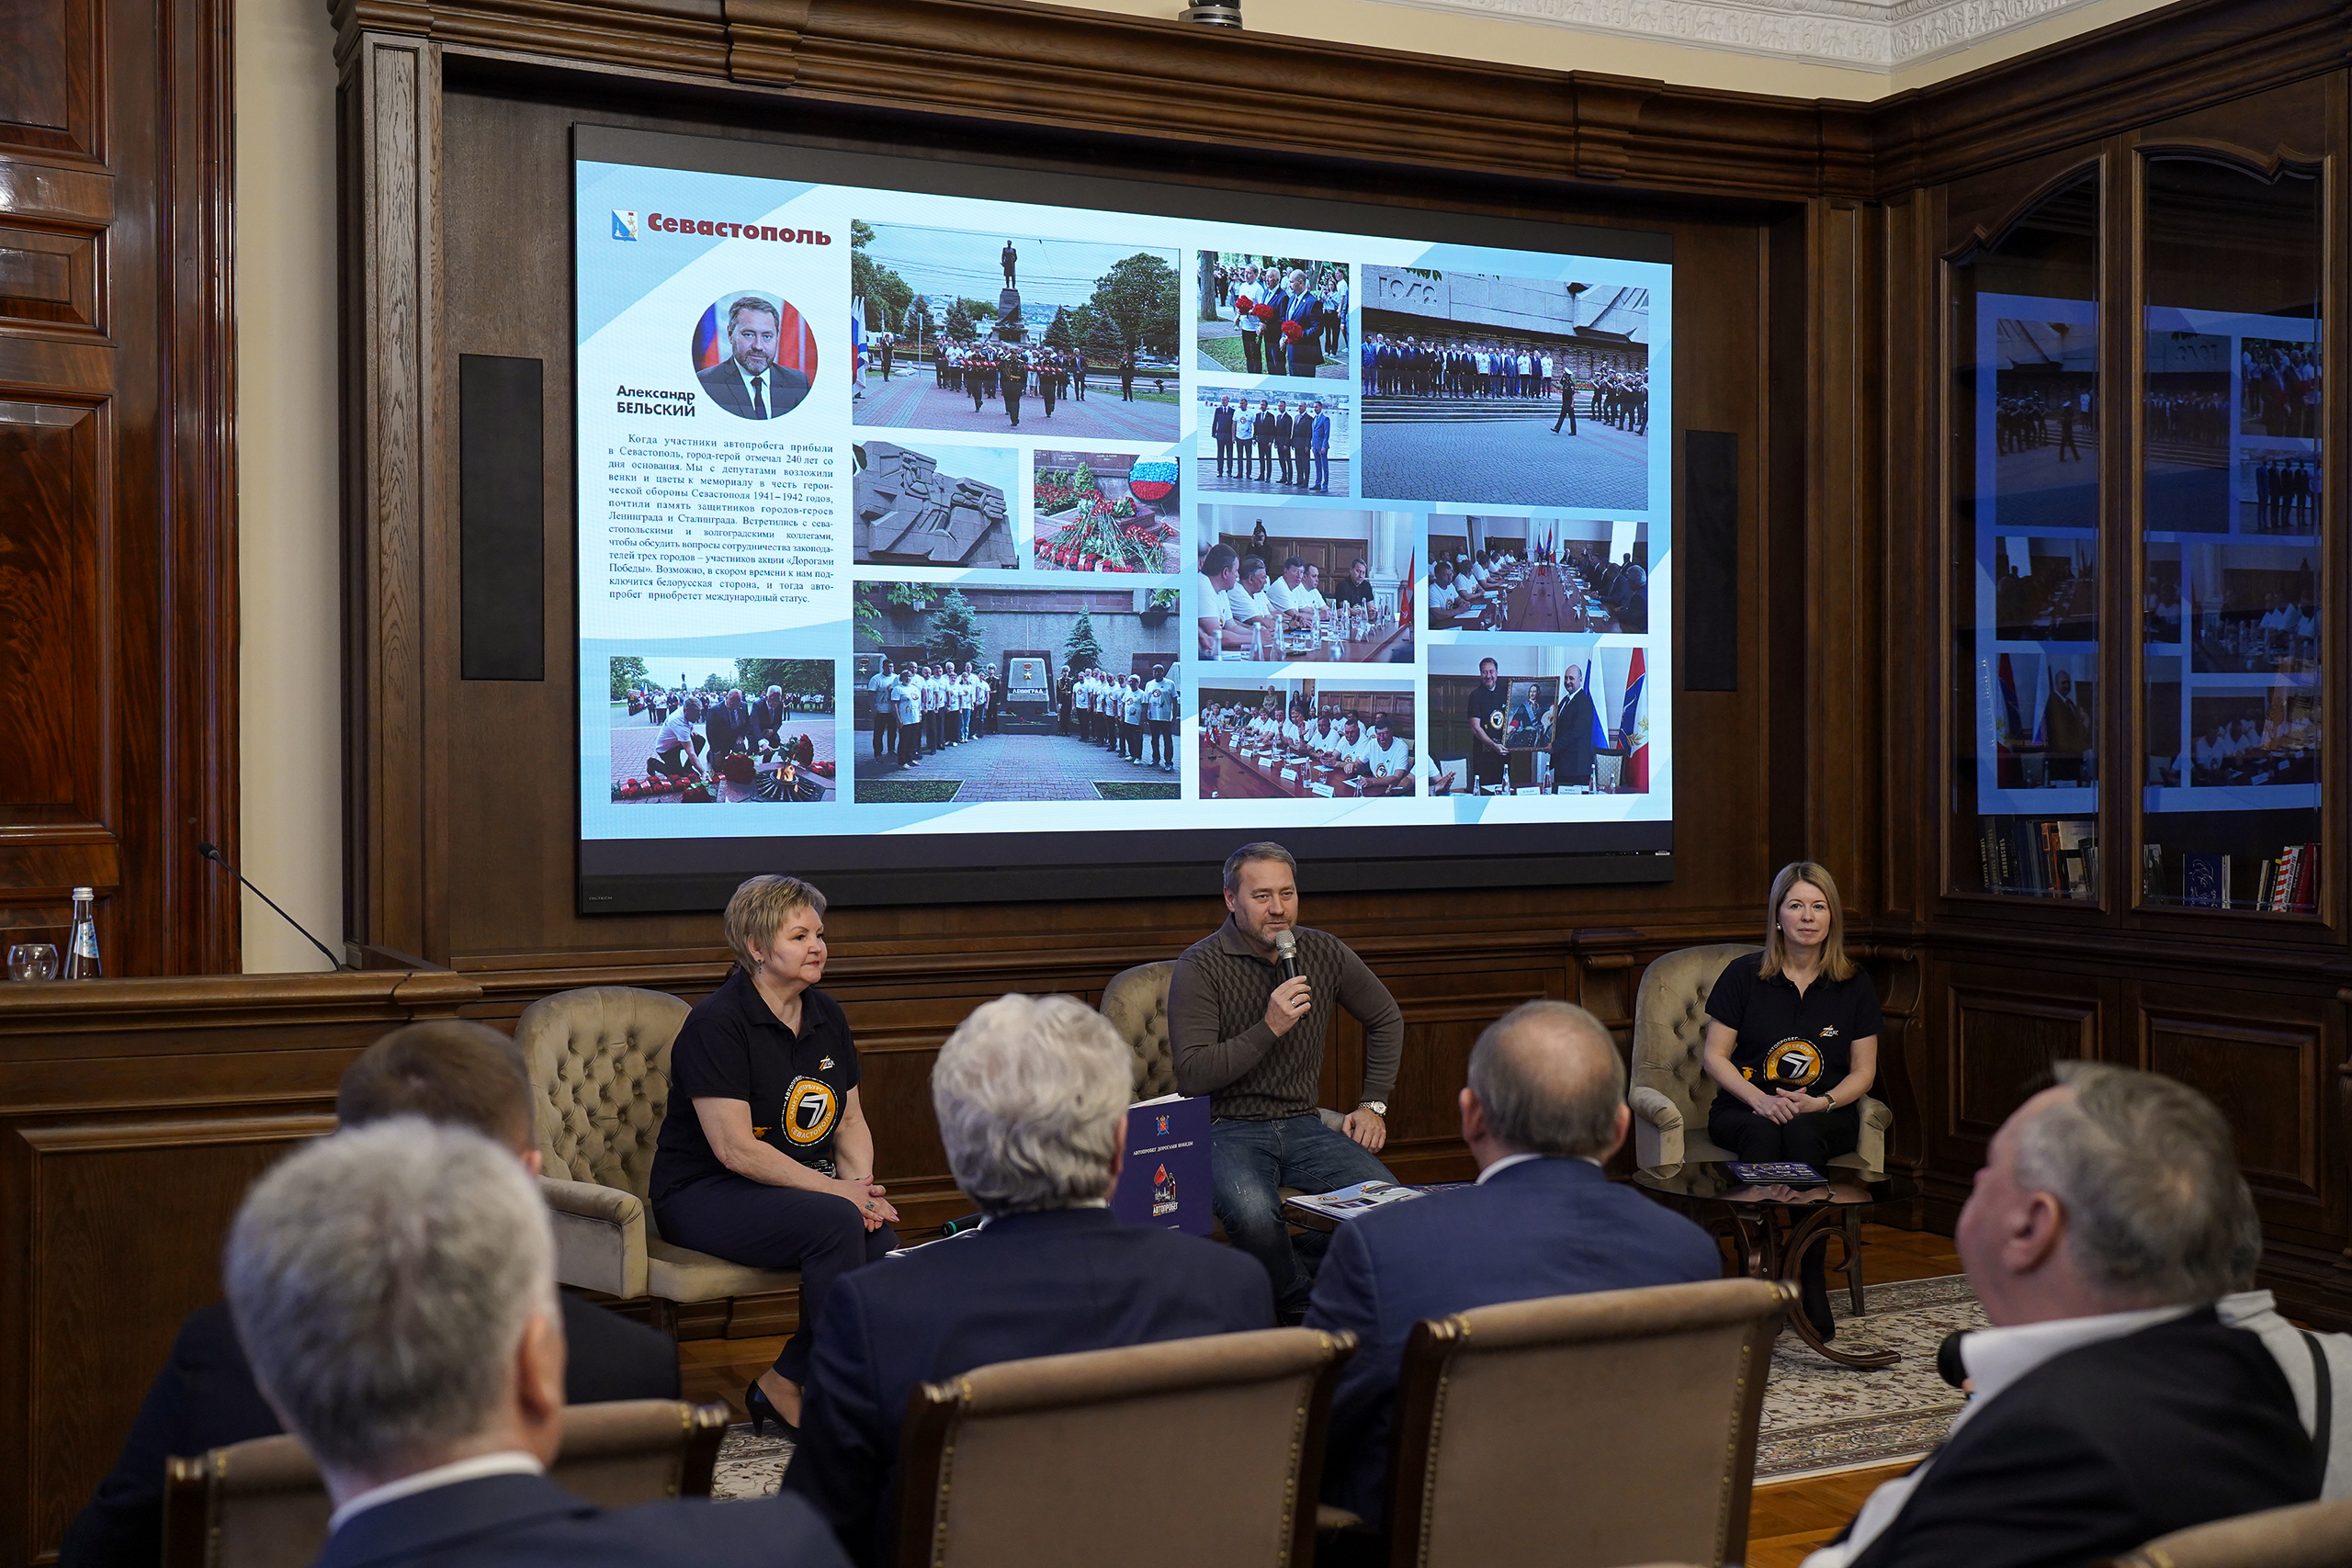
1286, 953
212, 854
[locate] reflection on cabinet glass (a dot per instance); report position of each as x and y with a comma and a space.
2024, 428
2229, 556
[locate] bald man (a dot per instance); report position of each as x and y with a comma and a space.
1545, 1106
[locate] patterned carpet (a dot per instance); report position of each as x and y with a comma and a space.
1818, 1415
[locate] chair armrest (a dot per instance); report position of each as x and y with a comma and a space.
599, 1236
1877, 1122
1658, 1131
1331, 1118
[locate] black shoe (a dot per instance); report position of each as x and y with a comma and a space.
763, 1410
1813, 1294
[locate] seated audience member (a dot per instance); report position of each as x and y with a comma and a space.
1031, 1094
764, 1156
1253, 1042
1792, 1044
2318, 1366
2110, 1404
450, 1071
1544, 1107
396, 1285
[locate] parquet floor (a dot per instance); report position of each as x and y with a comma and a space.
1786, 1520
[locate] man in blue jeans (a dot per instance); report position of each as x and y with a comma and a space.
1253, 1042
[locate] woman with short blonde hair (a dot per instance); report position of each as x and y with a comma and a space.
1792, 1043
764, 1156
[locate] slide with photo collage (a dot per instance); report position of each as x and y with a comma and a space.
909, 511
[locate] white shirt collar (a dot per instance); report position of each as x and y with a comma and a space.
750, 380
1508, 1160
508, 1463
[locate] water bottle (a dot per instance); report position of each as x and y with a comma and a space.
81, 951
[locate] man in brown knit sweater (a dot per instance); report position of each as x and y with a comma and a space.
1253, 1043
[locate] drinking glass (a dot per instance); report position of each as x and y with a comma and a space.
32, 961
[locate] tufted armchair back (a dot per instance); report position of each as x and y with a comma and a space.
600, 1078
1135, 1001
1670, 1025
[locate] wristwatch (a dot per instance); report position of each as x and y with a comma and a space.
1377, 1107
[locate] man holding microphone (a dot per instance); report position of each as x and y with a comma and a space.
1248, 1009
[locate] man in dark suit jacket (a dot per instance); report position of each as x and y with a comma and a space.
2111, 1405
465, 1073
1545, 1106
1051, 1271
1572, 723
394, 1285
749, 383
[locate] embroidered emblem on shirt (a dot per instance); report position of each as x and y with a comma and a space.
825, 1064
1792, 1063
809, 1110
1828, 1031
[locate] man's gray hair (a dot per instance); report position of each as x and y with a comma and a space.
1264, 849
381, 1280
1549, 1078
2146, 1172
1031, 1097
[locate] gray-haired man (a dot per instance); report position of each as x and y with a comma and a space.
1253, 1042
1031, 1093
2111, 1405
395, 1288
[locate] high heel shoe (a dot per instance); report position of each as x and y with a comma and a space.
763, 1410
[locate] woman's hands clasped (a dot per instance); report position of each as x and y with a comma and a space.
866, 1198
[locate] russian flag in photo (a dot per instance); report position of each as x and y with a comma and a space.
1152, 478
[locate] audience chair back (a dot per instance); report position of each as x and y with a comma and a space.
2308, 1535
260, 1504
1497, 1461
1671, 1093
1184, 1452
1135, 1001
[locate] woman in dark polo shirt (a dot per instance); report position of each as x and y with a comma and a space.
1792, 1033
1792, 1044
764, 1157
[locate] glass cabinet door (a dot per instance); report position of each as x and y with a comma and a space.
2231, 567
2024, 478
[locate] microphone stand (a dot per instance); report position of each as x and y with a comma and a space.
214, 855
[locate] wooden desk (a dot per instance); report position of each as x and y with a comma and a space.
1373, 650
1240, 778
1545, 599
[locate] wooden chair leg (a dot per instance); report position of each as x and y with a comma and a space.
662, 1315
1853, 1269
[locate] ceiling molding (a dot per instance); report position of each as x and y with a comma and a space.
1881, 35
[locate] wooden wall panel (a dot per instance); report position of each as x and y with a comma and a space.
2263, 1059
117, 575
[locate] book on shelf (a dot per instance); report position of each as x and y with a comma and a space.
2290, 881
2056, 857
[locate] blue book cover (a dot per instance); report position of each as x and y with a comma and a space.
1165, 1180
2205, 881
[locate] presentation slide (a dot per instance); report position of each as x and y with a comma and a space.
924, 524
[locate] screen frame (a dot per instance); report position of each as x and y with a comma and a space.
627, 876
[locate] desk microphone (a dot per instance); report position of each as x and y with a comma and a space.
212, 854
1286, 953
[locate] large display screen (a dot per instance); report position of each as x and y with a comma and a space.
971, 531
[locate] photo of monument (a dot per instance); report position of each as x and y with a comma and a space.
912, 508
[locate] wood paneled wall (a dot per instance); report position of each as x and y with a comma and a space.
118, 525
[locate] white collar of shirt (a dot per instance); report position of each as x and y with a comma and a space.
1995, 1359
509, 1462
1508, 1160
750, 380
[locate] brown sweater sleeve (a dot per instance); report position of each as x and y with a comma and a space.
1205, 1060
1369, 1003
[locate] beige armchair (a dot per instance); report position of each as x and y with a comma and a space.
1672, 1093
260, 1504
600, 1078
2303, 1535
1133, 1439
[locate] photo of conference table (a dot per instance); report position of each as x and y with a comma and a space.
1373, 650
1534, 599
1228, 772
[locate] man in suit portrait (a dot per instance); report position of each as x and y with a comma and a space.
1031, 1094
749, 383
395, 1285
2109, 1403
1572, 720
1544, 1107
445, 1070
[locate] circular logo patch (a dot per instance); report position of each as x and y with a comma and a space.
1793, 1062
809, 1111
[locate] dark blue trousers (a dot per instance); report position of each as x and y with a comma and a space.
760, 1226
